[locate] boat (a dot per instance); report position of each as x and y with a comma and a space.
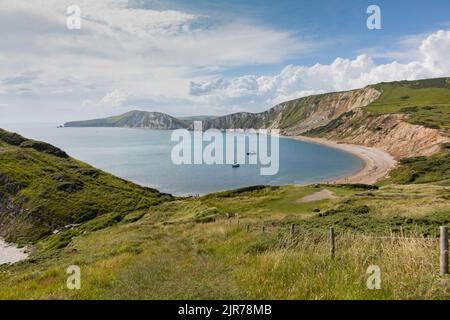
251, 153
235, 165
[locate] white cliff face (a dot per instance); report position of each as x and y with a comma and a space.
152, 120
134, 119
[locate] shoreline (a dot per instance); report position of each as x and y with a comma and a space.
376, 162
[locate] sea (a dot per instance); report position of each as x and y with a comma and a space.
144, 156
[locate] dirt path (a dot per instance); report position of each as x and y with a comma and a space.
317, 196
377, 163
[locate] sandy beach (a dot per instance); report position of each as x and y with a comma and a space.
10, 253
377, 163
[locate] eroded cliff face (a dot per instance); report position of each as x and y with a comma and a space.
341, 117
134, 119
13, 215
330, 107
298, 116
389, 132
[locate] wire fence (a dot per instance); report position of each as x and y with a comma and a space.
332, 235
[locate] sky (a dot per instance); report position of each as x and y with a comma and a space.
206, 57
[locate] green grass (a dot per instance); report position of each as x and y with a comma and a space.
296, 110
426, 102
154, 258
435, 168
49, 191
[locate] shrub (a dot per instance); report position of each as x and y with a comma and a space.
360, 210
11, 138
409, 109
44, 147
70, 186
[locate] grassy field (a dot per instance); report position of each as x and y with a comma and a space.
172, 251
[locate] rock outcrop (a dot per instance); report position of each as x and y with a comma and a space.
389, 132
134, 119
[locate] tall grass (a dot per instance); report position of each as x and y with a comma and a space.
301, 268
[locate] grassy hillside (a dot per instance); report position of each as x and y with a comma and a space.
42, 189
191, 249
134, 119
297, 111
433, 169
427, 102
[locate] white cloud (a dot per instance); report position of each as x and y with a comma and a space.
342, 74
172, 61
435, 50
147, 53
114, 98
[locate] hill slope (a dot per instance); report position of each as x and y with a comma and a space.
134, 119
42, 189
300, 115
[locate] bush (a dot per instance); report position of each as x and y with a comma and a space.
233, 193
11, 138
103, 222
409, 109
359, 186
70, 186
360, 210
44, 147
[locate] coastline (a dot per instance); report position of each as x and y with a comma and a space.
376, 163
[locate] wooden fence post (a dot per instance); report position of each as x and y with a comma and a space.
292, 229
332, 243
444, 251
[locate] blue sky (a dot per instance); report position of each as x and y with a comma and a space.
341, 22
206, 56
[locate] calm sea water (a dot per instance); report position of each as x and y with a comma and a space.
144, 156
